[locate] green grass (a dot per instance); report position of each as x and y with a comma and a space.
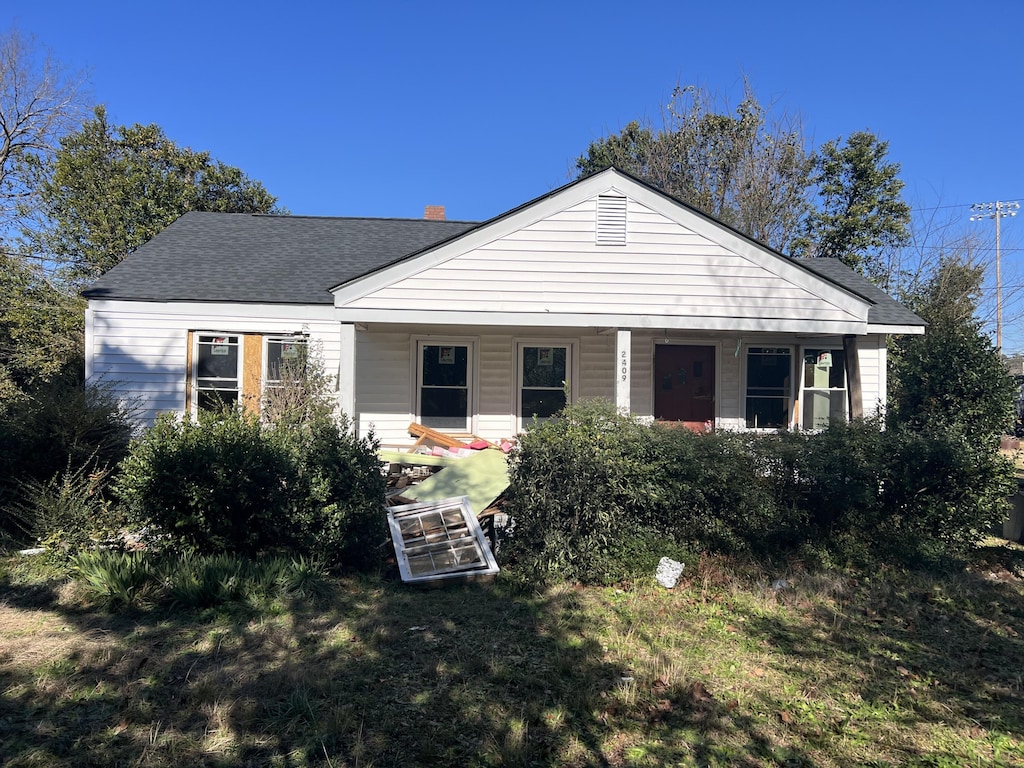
886, 668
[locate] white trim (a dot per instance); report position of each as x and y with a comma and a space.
472, 378
571, 347
501, 318
347, 372
802, 389
744, 383
301, 313
623, 370
909, 330
90, 320
193, 374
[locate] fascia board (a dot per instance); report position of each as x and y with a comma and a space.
558, 320
519, 219
216, 309
894, 330
775, 263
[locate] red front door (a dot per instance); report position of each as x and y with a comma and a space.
684, 384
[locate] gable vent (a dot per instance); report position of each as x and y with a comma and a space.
611, 220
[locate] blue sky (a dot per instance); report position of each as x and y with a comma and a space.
378, 109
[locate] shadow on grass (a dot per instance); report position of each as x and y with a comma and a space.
380, 675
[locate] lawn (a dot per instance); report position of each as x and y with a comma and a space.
728, 669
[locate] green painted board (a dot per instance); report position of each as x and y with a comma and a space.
482, 477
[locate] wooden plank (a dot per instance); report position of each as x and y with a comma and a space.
853, 377
426, 434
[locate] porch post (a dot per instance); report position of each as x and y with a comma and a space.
347, 373
853, 374
623, 369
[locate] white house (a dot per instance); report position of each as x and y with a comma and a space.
605, 287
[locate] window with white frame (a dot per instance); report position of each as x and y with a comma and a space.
284, 358
445, 385
824, 387
544, 371
216, 370
769, 393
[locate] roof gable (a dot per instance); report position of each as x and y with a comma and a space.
676, 268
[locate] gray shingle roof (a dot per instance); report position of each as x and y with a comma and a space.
884, 310
239, 257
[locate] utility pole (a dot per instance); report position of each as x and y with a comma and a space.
996, 210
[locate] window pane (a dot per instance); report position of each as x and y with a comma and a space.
821, 408
444, 408
445, 365
218, 360
767, 412
544, 366
216, 399
824, 369
542, 403
768, 387
287, 354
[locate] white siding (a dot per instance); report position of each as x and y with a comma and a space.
555, 265
140, 349
871, 351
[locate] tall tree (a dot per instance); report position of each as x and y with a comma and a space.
747, 168
39, 102
861, 215
112, 188
953, 375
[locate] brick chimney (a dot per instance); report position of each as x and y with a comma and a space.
434, 213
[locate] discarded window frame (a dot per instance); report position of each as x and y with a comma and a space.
437, 540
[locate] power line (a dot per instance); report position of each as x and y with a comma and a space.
997, 211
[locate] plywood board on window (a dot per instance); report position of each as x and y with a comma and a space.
252, 372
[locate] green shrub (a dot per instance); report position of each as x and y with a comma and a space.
70, 513
57, 425
338, 492
218, 484
116, 579
575, 485
594, 495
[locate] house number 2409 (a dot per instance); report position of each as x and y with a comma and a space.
624, 366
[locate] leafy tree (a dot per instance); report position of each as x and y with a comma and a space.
861, 213
953, 375
112, 188
745, 168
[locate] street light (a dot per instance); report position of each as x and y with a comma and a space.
996, 210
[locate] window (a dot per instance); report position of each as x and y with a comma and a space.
824, 387
444, 386
543, 380
216, 370
769, 390
439, 540
284, 357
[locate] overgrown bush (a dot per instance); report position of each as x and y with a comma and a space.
229, 483
56, 427
218, 484
594, 495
